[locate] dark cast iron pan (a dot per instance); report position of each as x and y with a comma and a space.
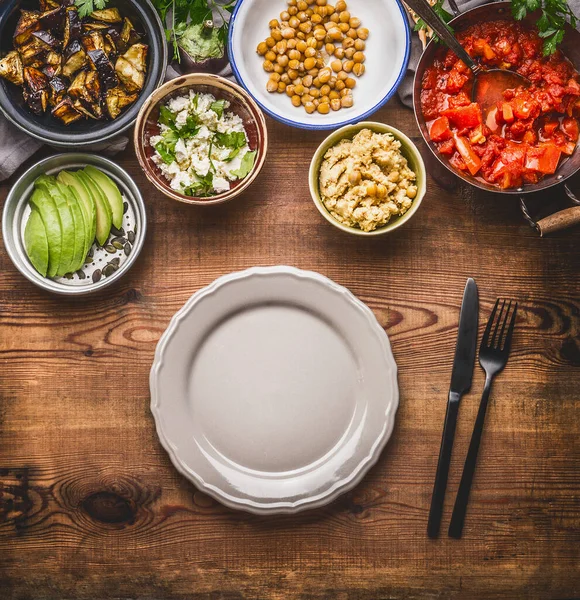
85, 131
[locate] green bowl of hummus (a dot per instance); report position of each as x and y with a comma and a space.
367, 179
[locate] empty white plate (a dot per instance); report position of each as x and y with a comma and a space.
274, 390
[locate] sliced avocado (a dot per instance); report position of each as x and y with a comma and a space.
42, 202
110, 191
86, 203
48, 185
104, 215
36, 242
80, 230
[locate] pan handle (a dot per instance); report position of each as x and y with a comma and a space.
559, 221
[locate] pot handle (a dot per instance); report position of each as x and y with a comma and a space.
559, 221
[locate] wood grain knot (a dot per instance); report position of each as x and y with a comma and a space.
15, 502
570, 352
110, 508
133, 295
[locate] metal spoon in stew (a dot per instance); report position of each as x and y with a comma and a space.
488, 84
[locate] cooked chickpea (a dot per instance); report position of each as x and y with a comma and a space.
360, 45
325, 75
262, 48
342, 76
268, 66
293, 10
340, 6
334, 18
325, 90
316, 18
330, 48
301, 46
270, 42
309, 63
319, 35
309, 107
359, 57
314, 92
363, 33
346, 101
334, 95
282, 60
285, 16
290, 90
347, 43
394, 176
281, 87
274, 23
294, 64
272, 86
284, 78
354, 22
278, 69
336, 66
371, 189
351, 34
292, 74
292, 44
296, 101
294, 22
381, 190
270, 55
324, 100
350, 83
354, 177
302, 16
339, 53
302, 5
335, 104
411, 191
344, 28
324, 108
321, 2
359, 69
349, 53
335, 34
348, 66
299, 90
310, 53
340, 85
307, 81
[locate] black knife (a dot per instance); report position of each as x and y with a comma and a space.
460, 384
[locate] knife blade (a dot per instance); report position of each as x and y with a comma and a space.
461, 378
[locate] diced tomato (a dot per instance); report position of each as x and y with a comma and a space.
440, 130
549, 128
530, 137
430, 78
544, 159
567, 148
482, 48
573, 87
570, 128
524, 108
455, 81
464, 117
507, 113
472, 161
447, 147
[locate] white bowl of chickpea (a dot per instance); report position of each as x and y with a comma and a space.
319, 64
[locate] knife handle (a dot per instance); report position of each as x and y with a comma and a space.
442, 474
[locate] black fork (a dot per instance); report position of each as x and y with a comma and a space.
493, 356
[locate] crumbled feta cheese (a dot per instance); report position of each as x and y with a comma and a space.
201, 158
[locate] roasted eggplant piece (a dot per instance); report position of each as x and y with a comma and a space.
104, 68
72, 26
52, 71
89, 26
108, 15
66, 112
33, 53
131, 67
93, 110
129, 35
93, 40
49, 5
11, 68
52, 19
57, 90
75, 58
46, 38
117, 99
35, 90
28, 23
77, 87
93, 86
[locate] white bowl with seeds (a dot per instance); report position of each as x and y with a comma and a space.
104, 264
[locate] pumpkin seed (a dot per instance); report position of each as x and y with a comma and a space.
108, 270
125, 207
82, 274
68, 275
89, 260
127, 248
135, 229
119, 238
110, 249
91, 251
116, 231
117, 245
97, 276
131, 236
116, 262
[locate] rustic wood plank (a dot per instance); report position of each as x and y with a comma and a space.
91, 508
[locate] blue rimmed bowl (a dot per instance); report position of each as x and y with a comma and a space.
387, 55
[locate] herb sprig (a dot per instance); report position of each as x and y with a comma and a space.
86, 7
552, 21
183, 13
442, 14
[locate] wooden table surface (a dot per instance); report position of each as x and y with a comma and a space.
91, 507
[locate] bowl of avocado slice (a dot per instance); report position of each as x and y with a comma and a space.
74, 223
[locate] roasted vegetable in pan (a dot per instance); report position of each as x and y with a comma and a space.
92, 67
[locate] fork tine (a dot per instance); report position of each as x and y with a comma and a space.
501, 339
508, 339
496, 328
485, 339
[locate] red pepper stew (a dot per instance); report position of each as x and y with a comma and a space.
528, 132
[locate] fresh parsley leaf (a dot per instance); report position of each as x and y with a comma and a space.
195, 102
190, 129
167, 117
232, 155
235, 139
218, 107
203, 187
199, 11
552, 21
167, 156
86, 7
247, 165
166, 147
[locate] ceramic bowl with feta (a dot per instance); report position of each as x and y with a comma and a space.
201, 139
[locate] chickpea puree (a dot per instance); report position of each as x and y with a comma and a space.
313, 54
366, 182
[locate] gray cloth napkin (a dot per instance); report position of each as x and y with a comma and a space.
406, 88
